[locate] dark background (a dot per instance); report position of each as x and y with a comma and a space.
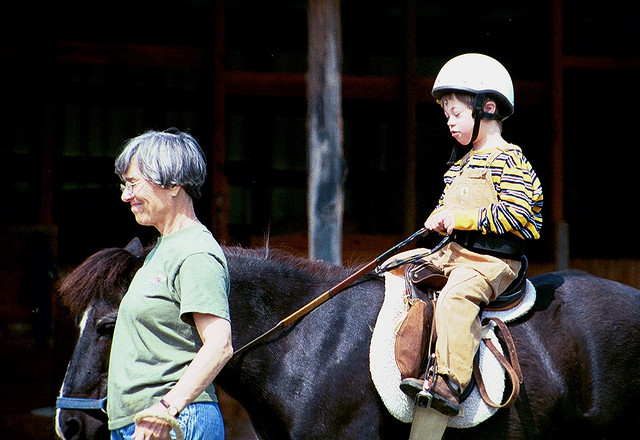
78, 78
95, 105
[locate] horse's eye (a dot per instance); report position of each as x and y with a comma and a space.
105, 330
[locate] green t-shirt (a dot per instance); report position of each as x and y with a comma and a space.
155, 338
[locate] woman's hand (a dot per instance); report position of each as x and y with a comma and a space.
152, 428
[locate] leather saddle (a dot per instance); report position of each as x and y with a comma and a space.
422, 280
425, 277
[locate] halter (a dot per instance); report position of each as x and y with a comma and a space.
82, 403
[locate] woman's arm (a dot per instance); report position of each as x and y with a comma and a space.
215, 352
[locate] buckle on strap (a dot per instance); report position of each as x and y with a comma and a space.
502, 246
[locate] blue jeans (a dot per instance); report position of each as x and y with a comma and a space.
199, 421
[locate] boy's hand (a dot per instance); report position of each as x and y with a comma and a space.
441, 221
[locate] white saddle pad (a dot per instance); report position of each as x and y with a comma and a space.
386, 375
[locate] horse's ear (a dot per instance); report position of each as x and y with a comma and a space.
135, 247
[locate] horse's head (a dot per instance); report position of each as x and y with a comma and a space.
93, 292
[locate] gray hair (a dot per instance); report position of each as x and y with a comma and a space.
167, 158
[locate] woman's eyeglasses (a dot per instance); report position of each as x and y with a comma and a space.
128, 186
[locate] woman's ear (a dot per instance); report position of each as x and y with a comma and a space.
175, 189
490, 107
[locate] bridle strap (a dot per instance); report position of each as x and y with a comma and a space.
81, 403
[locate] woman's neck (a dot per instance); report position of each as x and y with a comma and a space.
179, 222
181, 215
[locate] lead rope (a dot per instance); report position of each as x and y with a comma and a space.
165, 418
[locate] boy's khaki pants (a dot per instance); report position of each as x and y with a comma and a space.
474, 279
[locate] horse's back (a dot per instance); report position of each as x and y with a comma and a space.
579, 351
578, 348
313, 376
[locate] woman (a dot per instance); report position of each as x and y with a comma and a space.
173, 333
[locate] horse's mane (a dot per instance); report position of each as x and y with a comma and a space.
104, 275
107, 274
256, 260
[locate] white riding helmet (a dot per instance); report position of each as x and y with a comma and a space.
477, 74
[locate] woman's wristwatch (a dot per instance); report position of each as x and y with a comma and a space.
172, 410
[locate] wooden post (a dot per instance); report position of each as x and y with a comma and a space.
47, 154
220, 204
410, 103
562, 255
326, 171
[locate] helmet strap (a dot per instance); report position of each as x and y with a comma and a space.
454, 155
478, 115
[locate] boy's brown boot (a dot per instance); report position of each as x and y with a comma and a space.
444, 396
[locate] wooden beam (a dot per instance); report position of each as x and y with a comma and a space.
374, 88
577, 62
128, 54
273, 84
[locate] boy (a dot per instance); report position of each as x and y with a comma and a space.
491, 203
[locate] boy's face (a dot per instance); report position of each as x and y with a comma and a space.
459, 119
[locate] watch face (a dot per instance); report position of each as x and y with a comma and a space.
172, 410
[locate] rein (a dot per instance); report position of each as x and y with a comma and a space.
342, 285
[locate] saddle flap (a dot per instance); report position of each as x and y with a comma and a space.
411, 338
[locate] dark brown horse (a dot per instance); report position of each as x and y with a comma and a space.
579, 350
